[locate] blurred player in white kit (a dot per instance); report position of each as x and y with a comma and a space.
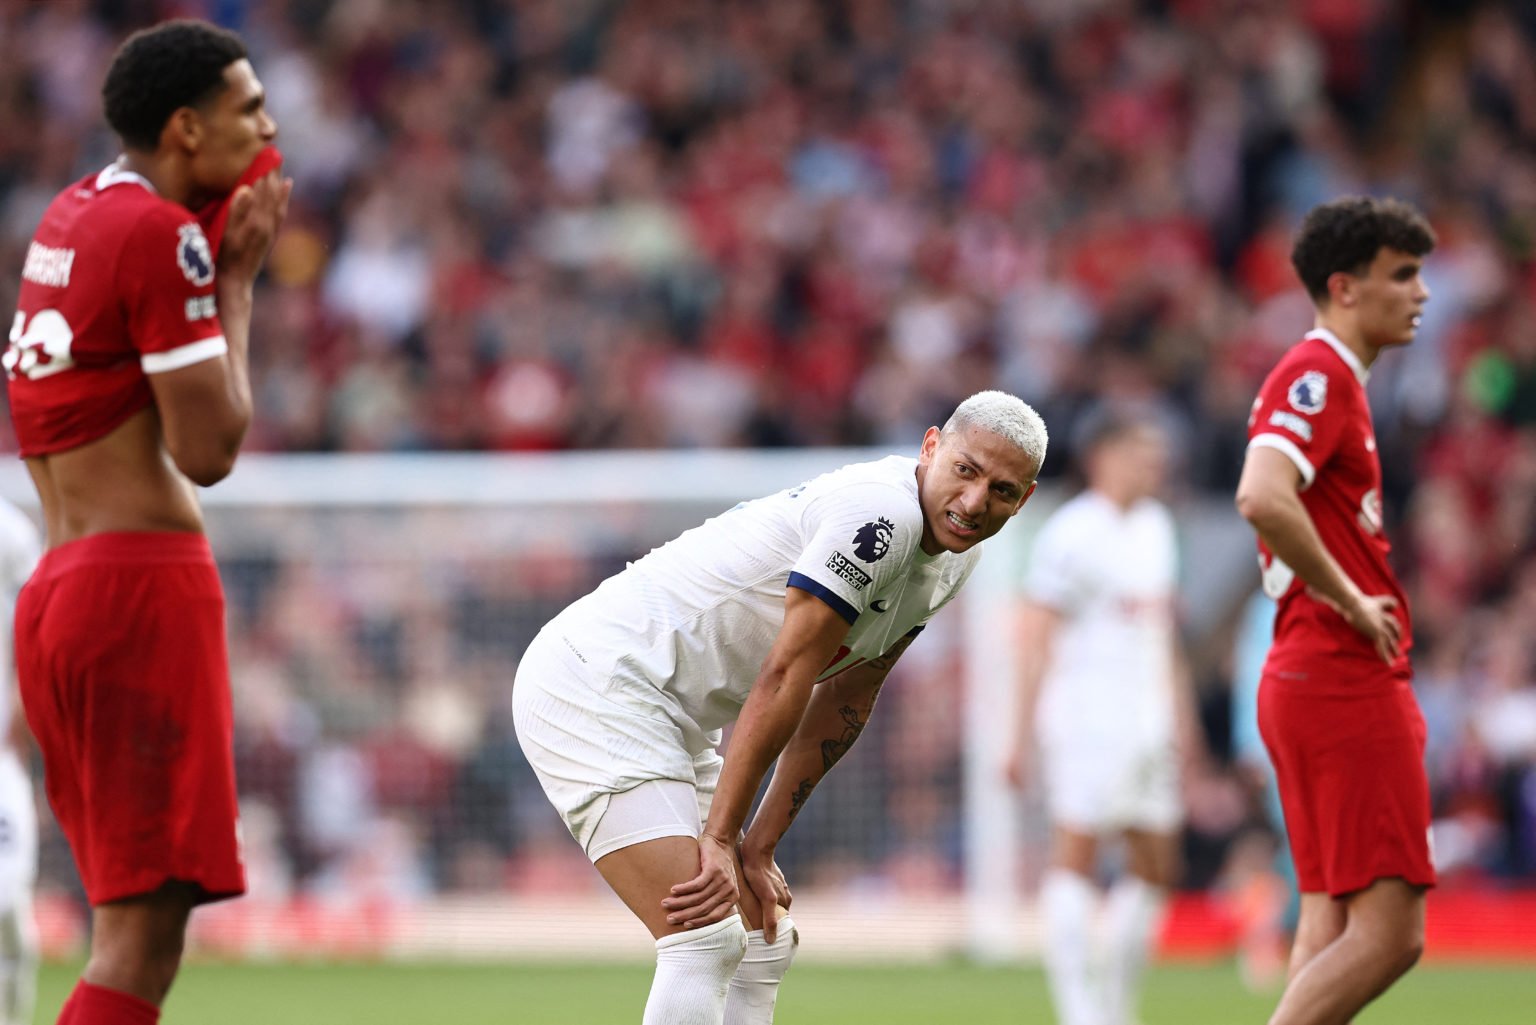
19, 551
1103, 704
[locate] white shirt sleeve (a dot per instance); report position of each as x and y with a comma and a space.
858, 539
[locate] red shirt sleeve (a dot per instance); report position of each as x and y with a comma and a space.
166, 282
1300, 412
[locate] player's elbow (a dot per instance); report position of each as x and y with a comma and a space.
205, 471
209, 459
1258, 505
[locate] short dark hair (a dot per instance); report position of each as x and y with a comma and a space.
1108, 422
159, 70
1346, 234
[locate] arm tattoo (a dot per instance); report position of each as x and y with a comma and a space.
832, 750
799, 797
885, 661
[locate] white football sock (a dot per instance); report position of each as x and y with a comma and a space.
1133, 912
18, 962
1067, 901
755, 986
693, 971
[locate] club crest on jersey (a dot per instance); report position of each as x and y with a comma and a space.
873, 540
1309, 392
193, 255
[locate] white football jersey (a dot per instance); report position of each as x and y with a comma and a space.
1111, 574
20, 549
686, 628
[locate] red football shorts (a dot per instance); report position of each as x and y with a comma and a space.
1350, 767
125, 680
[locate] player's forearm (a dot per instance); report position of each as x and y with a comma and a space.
1037, 636
236, 302
1282, 522
833, 721
768, 720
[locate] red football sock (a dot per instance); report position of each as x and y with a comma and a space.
97, 1005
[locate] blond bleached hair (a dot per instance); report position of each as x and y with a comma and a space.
1007, 416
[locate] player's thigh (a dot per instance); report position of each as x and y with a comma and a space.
1080, 780
1153, 855
1074, 849
588, 752
1389, 913
643, 875
1321, 921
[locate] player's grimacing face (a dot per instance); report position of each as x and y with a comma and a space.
1390, 297
235, 126
971, 482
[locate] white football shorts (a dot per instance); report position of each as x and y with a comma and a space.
18, 833
1104, 787
615, 768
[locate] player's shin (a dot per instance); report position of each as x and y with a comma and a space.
693, 973
1067, 902
755, 986
1133, 913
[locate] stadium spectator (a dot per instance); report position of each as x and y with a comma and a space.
128, 384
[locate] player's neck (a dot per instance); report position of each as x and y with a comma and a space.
1120, 498
169, 178
1349, 335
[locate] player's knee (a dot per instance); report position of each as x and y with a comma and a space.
1410, 948
713, 950
766, 962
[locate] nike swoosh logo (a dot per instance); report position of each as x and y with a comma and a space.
879, 605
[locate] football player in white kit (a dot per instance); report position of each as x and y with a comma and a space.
782, 615
1102, 697
19, 551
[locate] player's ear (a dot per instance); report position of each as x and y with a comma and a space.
930, 444
1032, 486
183, 129
1341, 288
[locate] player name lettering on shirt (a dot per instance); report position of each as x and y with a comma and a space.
1291, 422
48, 266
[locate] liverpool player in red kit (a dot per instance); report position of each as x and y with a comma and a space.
128, 384
1335, 705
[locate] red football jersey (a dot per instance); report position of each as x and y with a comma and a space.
1313, 408
117, 284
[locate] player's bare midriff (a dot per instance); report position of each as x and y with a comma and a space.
124, 481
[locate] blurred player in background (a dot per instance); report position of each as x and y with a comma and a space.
19, 549
128, 385
1336, 705
1104, 703
783, 615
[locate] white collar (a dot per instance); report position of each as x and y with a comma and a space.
116, 174
1362, 373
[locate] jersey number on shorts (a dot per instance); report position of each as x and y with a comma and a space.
39, 349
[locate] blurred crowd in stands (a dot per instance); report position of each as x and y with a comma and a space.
558, 224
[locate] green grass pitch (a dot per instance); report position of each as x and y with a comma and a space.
529, 994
